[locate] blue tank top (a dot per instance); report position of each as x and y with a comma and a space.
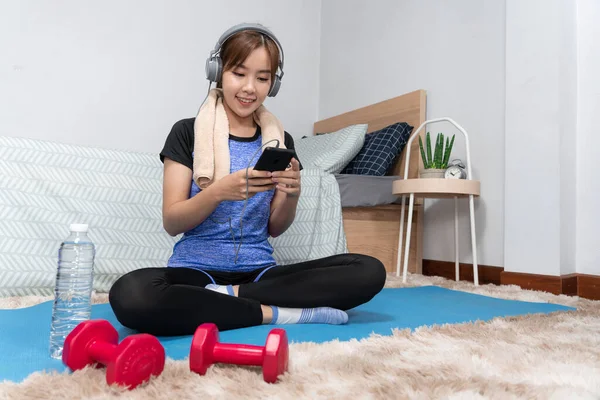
212, 244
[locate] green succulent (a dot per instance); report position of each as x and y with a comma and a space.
441, 153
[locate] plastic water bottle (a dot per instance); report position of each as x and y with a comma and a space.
73, 288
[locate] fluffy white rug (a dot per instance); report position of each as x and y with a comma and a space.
554, 356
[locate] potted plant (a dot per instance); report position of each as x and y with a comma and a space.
435, 166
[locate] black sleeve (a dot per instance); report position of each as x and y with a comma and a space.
179, 144
289, 144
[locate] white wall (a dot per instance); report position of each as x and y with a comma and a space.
376, 50
540, 137
552, 103
567, 159
118, 74
588, 138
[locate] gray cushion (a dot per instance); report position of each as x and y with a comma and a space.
331, 152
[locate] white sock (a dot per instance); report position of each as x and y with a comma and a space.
221, 289
283, 315
318, 315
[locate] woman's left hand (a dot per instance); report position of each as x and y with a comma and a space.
288, 181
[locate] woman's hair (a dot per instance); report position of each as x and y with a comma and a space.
238, 47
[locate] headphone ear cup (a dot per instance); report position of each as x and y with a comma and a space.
213, 69
275, 87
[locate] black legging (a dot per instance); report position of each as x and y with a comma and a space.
173, 301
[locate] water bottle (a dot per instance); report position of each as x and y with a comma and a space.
73, 288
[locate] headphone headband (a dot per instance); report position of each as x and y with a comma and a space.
244, 27
214, 66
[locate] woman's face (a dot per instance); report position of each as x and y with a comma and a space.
246, 86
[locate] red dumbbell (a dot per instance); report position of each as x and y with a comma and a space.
129, 363
206, 350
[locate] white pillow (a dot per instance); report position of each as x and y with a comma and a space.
331, 152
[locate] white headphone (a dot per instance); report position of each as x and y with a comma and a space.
214, 64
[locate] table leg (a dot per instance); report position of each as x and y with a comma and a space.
473, 240
456, 257
398, 259
408, 228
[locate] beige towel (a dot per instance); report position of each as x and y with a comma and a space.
211, 138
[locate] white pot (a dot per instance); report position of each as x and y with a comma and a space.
431, 173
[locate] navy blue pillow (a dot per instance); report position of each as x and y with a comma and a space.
380, 150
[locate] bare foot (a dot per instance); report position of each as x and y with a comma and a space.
267, 314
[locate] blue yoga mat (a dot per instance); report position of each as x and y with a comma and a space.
24, 332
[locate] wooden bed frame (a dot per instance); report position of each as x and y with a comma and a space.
374, 230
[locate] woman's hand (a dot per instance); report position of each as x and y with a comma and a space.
233, 186
288, 181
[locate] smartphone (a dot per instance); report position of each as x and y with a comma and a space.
274, 159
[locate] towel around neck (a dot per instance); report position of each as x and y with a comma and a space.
211, 138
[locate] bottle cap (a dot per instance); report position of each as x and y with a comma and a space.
78, 227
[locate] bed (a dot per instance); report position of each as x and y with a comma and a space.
373, 228
129, 233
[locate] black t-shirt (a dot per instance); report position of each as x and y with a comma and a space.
179, 144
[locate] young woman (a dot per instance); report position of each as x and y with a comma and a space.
210, 277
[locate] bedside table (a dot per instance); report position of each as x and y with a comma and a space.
437, 189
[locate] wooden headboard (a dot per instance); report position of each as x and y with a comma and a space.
409, 108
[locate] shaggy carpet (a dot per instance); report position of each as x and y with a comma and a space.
546, 356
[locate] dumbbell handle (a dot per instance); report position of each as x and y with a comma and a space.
240, 354
102, 352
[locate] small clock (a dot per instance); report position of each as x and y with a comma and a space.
455, 172
457, 161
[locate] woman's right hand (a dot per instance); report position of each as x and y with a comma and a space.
233, 186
